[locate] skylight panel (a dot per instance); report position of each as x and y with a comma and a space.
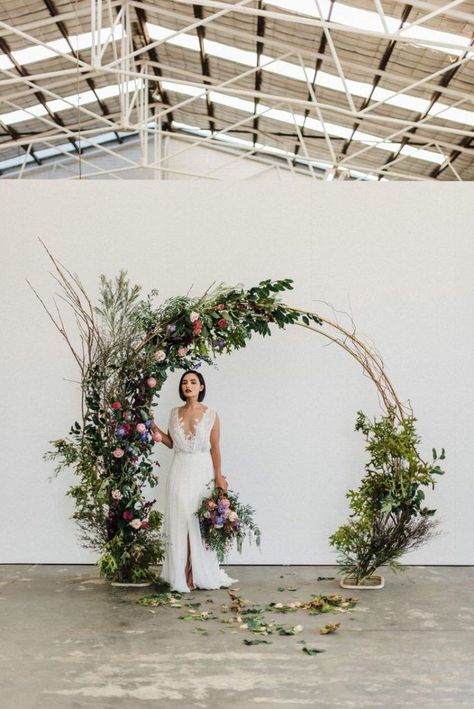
368, 20
36, 53
72, 101
332, 129
323, 78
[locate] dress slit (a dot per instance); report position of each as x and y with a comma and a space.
188, 569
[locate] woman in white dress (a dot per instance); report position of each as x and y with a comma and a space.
193, 434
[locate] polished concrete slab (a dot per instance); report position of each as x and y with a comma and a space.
70, 640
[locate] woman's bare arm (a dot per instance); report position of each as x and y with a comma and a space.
220, 480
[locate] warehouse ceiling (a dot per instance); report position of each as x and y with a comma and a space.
366, 89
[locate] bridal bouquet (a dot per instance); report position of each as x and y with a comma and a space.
223, 519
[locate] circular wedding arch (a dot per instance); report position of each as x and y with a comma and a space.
128, 347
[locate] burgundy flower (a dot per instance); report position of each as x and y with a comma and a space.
127, 515
222, 322
116, 405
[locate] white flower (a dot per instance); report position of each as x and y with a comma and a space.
116, 494
232, 517
194, 316
278, 605
159, 356
297, 628
136, 523
137, 505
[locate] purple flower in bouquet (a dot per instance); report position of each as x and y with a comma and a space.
148, 423
220, 343
144, 436
121, 431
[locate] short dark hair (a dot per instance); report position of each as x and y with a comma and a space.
202, 393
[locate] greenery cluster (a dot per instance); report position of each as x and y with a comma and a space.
388, 512
133, 344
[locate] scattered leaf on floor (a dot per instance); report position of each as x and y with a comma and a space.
161, 599
325, 578
329, 628
197, 629
194, 615
256, 641
311, 650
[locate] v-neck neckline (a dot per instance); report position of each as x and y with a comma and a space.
189, 435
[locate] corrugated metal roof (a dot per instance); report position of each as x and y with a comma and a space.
340, 89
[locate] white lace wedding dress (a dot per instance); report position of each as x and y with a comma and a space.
191, 469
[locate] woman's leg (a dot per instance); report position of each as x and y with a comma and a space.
189, 569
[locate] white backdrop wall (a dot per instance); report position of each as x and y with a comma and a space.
398, 257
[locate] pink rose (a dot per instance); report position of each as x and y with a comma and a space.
225, 502
118, 453
116, 405
159, 356
211, 505
136, 523
151, 382
127, 515
221, 306
126, 415
157, 437
222, 322
197, 327
182, 351
116, 494
140, 427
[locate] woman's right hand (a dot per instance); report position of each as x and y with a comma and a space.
222, 483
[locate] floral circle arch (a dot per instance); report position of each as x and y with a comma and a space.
129, 345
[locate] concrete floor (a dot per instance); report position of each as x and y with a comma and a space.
70, 641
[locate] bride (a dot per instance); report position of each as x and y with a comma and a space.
193, 434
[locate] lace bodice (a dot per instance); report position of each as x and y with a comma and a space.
191, 442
